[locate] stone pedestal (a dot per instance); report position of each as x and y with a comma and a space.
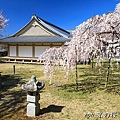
33, 107
33, 87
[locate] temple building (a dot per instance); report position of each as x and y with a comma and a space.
33, 39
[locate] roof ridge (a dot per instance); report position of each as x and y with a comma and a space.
52, 24
47, 25
53, 27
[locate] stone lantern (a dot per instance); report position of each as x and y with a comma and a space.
33, 88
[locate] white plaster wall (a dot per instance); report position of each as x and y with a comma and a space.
12, 50
36, 30
25, 51
40, 49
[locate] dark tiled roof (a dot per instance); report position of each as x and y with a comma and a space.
34, 39
54, 29
61, 34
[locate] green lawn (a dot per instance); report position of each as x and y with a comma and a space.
61, 101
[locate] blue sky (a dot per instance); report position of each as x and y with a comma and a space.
66, 14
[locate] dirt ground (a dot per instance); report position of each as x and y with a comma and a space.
56, 108
55, 104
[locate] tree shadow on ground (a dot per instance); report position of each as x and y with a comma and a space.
90, 79
88, 86
10, 81
12, 96
51, 108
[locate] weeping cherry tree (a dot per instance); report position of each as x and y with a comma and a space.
96, 37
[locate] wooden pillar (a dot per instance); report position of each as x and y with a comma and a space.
33, 51
17, 50
8, 50
51, 45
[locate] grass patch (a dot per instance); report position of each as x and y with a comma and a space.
91, 97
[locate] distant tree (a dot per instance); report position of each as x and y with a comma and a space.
117, 9
3, 21
90, 39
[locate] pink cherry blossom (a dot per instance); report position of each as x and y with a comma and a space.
98, 36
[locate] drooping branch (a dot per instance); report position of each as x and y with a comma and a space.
89, 39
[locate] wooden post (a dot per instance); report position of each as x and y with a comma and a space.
14, 69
